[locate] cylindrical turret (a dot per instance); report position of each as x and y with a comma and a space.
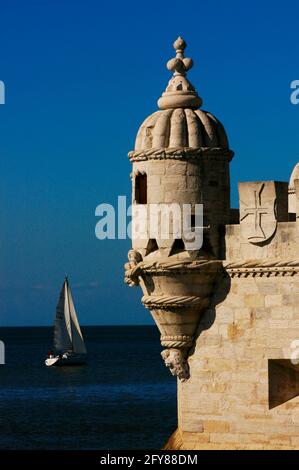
181, 158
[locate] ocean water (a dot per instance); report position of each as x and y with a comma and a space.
124, 398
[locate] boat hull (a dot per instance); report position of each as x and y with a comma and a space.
59, 361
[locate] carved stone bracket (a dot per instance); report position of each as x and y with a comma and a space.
176, 361
133, 268
176, 311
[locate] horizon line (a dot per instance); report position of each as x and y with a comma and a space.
83, 326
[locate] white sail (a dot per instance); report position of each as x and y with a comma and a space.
77, 338
67, 332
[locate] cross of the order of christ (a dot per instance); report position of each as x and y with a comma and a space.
257, 211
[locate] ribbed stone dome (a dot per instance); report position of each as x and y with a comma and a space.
294, 176
179, 123
172, 128
292, 190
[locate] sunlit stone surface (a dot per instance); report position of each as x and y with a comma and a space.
228, 312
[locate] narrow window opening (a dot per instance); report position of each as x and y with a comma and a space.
141, 189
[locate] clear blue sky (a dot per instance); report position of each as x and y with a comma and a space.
80, 77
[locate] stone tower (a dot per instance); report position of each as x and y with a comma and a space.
227, 310
181, 157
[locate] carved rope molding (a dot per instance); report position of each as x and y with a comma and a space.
253, 268
176, 341
134, 270
166, 301
180, 266
181, 153
262, 268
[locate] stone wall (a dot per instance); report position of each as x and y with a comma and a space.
252, 322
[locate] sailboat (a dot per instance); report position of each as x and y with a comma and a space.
68, 341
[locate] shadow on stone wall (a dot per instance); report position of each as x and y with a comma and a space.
221, 290
283, 379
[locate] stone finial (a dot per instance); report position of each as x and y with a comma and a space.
179, 93
180, 64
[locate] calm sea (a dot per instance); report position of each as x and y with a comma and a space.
123, 399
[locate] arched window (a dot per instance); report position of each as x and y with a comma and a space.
141, 188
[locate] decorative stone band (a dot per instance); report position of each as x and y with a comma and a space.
259, 268
253, 268
168, 301
181, 153
134, 270
180, 266
178, 341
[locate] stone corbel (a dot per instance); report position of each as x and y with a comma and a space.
133, 268
176, 314
176, 361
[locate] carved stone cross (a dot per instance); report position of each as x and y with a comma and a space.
257, 211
